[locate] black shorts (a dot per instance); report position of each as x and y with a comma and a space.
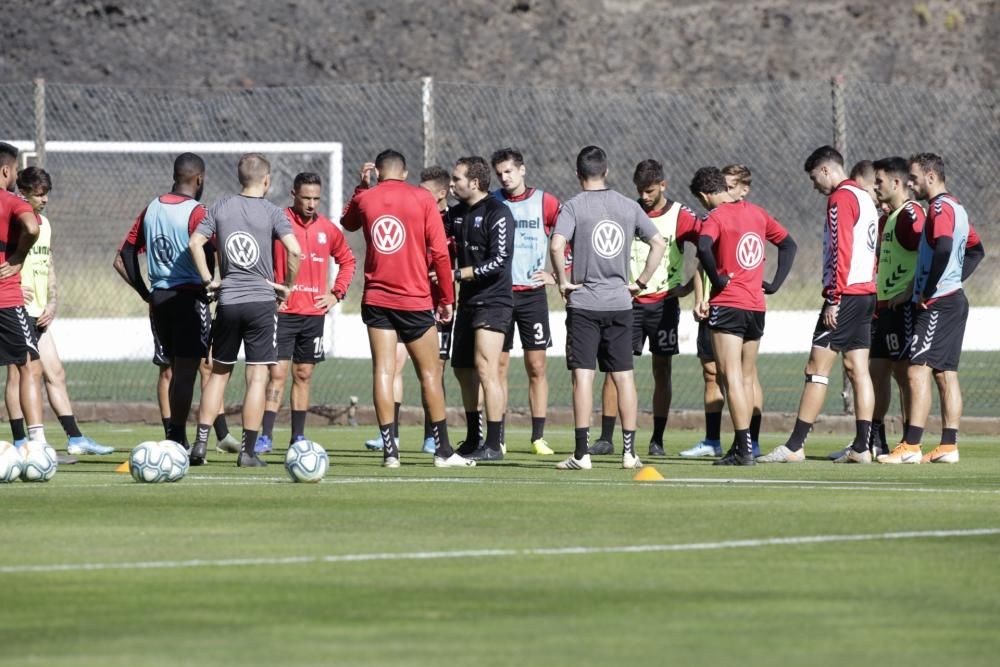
255, 325
300, 338
600, 338
854, 325
531, 315
467, 320
892, 333
159, 355
181, 324
18, 336
658, 322
409, 325
747, 324
938, 332
444, 338
705, 351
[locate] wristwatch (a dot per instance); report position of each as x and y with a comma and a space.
642, 285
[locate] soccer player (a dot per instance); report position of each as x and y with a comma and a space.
301, 317
949, 251
655, 309
177, 303
731, 251
863, 173
600, 224
844, 324
18, 232
892, 328
38, 282
535, 213
483, 230
245, 226
401, 224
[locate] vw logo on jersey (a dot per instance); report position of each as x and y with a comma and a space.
608, 239
163, 250
750, 251
388, 234
872, 236
242, 249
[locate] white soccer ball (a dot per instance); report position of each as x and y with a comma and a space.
39, 462
150, 463
11, 463
306, 461
178, 457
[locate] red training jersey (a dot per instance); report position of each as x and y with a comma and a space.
320, 240
11, 209
849, 238
738, 231
402, 224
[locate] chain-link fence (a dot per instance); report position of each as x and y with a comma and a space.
770, 127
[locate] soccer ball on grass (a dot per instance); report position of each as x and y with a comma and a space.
306, 461
10, 463
150, 463
39, 462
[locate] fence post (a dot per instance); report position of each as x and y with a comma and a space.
427, 107
40, 122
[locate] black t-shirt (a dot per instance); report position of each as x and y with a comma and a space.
484, 240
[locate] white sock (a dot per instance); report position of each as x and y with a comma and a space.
36, 433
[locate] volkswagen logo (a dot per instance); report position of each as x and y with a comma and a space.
242, 249
750, 251
163, 250
608, 239
388, 234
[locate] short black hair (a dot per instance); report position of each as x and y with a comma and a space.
505, 154
822, 155
929, 162
894, 166
647, 173
437, 174
388, 157
187, 166
864, 169
591, 162
306, 178
476, 168
8, 154
33, 180
709, 181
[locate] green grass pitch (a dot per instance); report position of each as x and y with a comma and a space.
514, 563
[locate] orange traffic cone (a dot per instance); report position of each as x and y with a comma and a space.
124, 467
648, 474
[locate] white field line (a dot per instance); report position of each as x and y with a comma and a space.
503, 553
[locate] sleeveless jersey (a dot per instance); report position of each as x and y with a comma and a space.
951, 280
166, 227
531, 243
849, 239
35, 271
668, 274
896, 264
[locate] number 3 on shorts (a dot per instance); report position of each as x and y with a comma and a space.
539, 332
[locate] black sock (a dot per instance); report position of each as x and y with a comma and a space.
177, 433
862, 435
442, 446
878, 433
906, 426
628, 442
608, 428
395, 420
428, 427
472, 428
389, 447
268, 428
17, 431
659, 426
68, 423
713, 426
298, 424
755, 427
249, 441
201, 434
503, 428
582, 437
914, 434
949, 436
493, 430
221, 427
537, 428
742, 442
799, 435
166, 426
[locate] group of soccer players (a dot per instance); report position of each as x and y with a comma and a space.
892, 289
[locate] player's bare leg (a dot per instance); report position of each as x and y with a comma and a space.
225, 442
535, 365
253, 404
397, 398
183, 375
12, 398
817, 373
882, 372
856, 367
301, 385
758, 411
163, 395
609, 416
950, 393
711, 444
277, 376
662, 396
383, 344
628, 410
729, 358
212, 396
489, 346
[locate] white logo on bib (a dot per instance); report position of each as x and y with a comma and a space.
242, 249
608, 239
750, 251
388, 234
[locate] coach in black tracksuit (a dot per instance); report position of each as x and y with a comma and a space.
483, 230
